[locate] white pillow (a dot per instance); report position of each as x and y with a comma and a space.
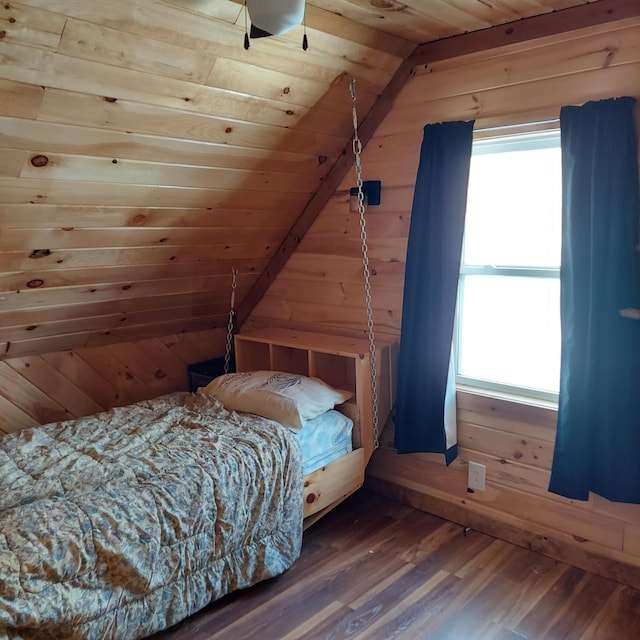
287, 398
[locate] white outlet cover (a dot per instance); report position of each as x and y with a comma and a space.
477, 476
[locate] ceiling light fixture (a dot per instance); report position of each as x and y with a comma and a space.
273, 18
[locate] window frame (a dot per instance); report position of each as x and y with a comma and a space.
528, 137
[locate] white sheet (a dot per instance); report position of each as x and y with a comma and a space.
325, 439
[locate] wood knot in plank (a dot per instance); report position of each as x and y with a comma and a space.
39, 161
40, 253
387, 5
611, 52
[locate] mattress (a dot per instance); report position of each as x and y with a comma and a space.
117, 525
324, 439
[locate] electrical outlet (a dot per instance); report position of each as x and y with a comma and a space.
477, 476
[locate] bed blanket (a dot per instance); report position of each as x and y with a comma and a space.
123, 523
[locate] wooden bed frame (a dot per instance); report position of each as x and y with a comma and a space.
343, 363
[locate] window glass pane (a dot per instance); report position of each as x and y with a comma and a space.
513, 208
509, 331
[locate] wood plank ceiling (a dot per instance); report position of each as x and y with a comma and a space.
144, 153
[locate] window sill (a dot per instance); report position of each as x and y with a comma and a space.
508, 396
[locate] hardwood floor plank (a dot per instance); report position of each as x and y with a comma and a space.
613, 620
536, 623
470, 610
581, 607
388, 605
544, 573
410, 622
498, 632
373, 569
303, 630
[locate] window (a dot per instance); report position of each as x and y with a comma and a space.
508, 322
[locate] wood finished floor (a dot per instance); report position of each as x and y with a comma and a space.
376, 570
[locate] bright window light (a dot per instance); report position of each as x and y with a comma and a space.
508, 333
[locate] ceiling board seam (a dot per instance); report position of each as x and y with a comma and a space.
525, 29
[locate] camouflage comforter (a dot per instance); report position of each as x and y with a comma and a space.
123, 523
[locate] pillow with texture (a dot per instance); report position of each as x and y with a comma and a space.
288, 398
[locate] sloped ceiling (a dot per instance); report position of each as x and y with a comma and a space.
144, 154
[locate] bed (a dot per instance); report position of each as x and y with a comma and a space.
123, 523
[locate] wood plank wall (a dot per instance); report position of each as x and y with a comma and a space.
67, 384
322, 284
144, 154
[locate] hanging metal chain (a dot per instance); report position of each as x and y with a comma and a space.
227, 354
357, 152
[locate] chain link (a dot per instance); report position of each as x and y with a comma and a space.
357, 151
227, 354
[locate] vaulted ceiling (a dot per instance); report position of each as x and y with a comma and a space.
144, 153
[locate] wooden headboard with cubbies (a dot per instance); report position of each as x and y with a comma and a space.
344, 363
